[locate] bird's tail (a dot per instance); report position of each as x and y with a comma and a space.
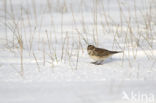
114, 52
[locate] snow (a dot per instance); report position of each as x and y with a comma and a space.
56, 67
69, 92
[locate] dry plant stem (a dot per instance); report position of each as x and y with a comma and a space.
24, 26
21, 55
52, 60
77, 60
63, 45
127, 46
80, 35
49, 6
105, 18
82, 19
121, 15
20, 43
71, 54
78, 51
67, 46
36, 62
17, 34
62, 13
54, 51
55, 55
5, 16
13, 19
80, 44
67, 43
49, 43
29, 42
43, 51
114, 40
95, 22
34, 10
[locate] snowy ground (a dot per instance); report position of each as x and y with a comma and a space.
43, 55
78, 92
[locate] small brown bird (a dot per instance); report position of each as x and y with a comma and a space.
99, 54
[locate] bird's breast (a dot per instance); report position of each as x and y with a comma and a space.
93, 56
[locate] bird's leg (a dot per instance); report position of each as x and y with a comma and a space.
99, 62
94, 62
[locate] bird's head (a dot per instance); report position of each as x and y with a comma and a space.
90, 47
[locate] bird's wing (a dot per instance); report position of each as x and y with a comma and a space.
102, 52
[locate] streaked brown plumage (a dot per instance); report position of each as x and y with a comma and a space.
99, 54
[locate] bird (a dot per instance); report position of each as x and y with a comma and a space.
99, 54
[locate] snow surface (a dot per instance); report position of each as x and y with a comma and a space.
74, 92
75, 79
